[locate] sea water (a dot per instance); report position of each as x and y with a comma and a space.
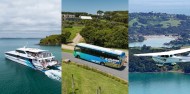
153, 42
19, 79
159, 83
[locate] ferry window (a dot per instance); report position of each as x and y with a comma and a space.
19, 51
167, 56
12, 55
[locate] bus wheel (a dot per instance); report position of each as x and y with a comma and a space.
77, 56
102, 63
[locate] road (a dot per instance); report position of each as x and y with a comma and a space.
68, 47
76, 40
121, 73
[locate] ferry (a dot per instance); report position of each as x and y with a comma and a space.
37, 59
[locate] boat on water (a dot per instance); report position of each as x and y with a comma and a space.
37, 59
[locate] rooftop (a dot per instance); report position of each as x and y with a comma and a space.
117, 52
35, 50
86, 17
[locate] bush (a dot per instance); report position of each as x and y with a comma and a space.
55, 39
106, 34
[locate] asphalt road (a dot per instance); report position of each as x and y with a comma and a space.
121, 73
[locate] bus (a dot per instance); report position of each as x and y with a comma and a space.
100, 55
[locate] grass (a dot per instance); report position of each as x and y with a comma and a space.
171, 22
125, 50
68, 51
166, 24
88, 81
135, 20
74, 30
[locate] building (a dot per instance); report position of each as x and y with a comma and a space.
69, 17
85, 17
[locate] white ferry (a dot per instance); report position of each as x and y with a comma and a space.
36, 59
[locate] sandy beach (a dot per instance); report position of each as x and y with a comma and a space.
159, 36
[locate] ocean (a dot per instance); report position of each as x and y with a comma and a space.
19, 79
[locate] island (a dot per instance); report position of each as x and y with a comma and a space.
144, 24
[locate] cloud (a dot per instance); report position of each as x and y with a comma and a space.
171, 6
160, 2
30, 15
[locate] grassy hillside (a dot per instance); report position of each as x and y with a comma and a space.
158, 24
154, 21
88, 81
51, 40
170, 22
73, 30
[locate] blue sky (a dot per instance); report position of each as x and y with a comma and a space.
166, 6
91, 6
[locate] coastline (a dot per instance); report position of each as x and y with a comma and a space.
147, 37
163, 72
159, 36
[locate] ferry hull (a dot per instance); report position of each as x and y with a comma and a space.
34, 64
20, 61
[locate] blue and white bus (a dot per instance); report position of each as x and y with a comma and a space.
100, 55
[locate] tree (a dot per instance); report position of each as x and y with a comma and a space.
100, 12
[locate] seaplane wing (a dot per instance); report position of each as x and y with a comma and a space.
165, 53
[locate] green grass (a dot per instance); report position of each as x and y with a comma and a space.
171, 22
74, 30
136, 20
68, 51
88, 81
103, 20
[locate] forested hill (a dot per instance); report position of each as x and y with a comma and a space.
106, 29
109, 30
157, 24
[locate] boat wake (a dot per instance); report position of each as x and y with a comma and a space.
54, 74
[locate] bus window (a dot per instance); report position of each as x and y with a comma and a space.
113, 56
77, 48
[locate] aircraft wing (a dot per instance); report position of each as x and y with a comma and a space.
165, 53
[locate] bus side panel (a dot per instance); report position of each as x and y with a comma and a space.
75, 53
91, 58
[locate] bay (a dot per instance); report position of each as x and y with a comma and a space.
155, 41
159, 83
